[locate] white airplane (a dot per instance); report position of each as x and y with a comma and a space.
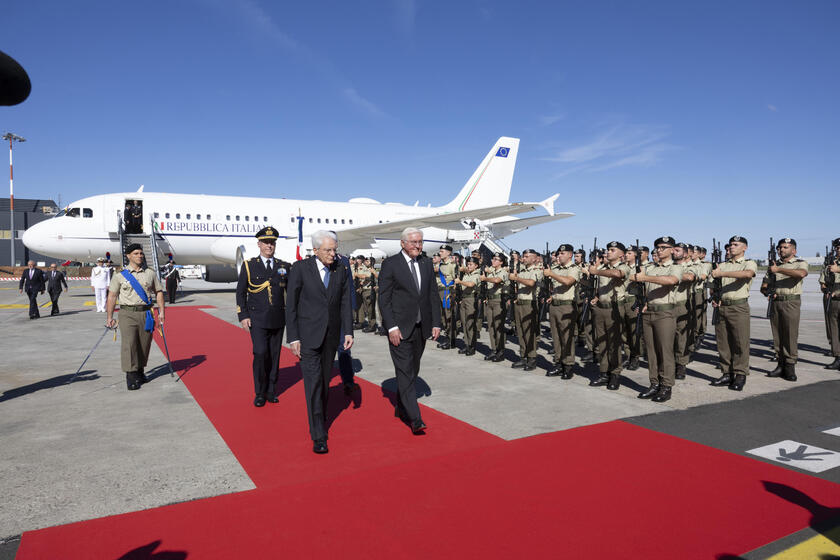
218, 231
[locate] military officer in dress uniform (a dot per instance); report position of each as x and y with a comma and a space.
135, 287
261, 308
733, 329
562, 312
527, 281
610, 296
830, 285
659, 319
683, 298
469, 291
785, 304
495, 278
445, 278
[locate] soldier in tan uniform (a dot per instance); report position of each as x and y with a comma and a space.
364, 280
528, 281
631, 340
562, 312
659, 319
830, 285
790, 272
469, 292
135, 317
733, 329
684, 307
495, 278
704, 269
445, 278
611, 278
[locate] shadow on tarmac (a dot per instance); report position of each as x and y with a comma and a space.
86, 375
147, 552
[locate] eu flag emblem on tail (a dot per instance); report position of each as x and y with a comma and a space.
503, 152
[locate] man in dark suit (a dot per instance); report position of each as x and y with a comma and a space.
55, 278
33, 282
260, 307
318, 310
410, 307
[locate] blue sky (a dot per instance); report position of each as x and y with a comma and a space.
687, 119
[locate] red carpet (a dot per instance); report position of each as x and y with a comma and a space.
606, 491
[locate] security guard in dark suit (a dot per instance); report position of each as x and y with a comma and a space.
261, 308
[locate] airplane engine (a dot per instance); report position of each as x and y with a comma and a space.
220, 273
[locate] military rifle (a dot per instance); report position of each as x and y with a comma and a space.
545, 288
771, 280
589, 289
717, 284
641, 301
829, 278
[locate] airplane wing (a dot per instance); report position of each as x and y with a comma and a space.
509, 227
451, 220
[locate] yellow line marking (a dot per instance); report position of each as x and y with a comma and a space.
48, 304
14, 306
89, 303
820, 546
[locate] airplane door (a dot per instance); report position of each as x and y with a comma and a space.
133, 216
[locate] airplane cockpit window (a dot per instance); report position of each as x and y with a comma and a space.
87, 213
72, 212
62, 213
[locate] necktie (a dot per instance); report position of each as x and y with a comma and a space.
326, 277
268, 265
414, 273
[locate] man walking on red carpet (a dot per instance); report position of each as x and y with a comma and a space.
410, 307
318, 310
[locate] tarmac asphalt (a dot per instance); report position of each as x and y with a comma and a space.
80, 446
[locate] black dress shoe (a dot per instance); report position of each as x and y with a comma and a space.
651, 391
462, 350
602, 380
662, 395
489, 357
790, 372
499, 357
319, 446
350, 388
141, 377
418, 427
680, 372
272, 399
724, 379
555, 371
470, 352
520, 363
834, 365
738, 383
778, 372
444, 346
614, 382
530, 365
633, 365
259, 401
568, 371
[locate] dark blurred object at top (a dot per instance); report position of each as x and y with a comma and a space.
14, 83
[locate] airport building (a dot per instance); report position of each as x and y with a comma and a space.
28, 212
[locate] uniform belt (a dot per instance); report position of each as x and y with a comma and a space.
629, 298
559, 302
788, 297
609, 304
494, 297
524, 302
660, 306
735, 301
135, 307
467, 296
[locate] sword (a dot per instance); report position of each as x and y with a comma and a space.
166, 349
92, 350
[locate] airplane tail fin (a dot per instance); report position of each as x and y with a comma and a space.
490, 183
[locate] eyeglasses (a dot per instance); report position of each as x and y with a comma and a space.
417, 242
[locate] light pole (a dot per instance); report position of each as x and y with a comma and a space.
12, 138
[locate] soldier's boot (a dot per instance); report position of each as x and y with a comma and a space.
568, 371
602, 380
724, 379
790, 372
614, 382
556, 370
520, 363
499, 356
650, 392
739, 382
835, 364
530, 364
680, 372
131, 381
490, 355
779, 371
141, 377
662, 395
463, 350
470, 351
634, 364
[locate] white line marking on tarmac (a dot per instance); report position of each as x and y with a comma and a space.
833, 431
799, 455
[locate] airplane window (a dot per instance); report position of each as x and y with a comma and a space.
335, 220
351, 220
87, 213
247, 218
319, 220
380, 221
177, 215
228, 217
73, 213
207, 216
293, 219
188, 216
167, 215
157, 215
342, 220
265, 218
256, 218
237, 218
198, 216
310, 220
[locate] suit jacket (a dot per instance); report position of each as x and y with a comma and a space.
312, 309
264, 311
54, 282
399, 299
36, 284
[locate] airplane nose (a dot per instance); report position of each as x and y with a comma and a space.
31, 239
